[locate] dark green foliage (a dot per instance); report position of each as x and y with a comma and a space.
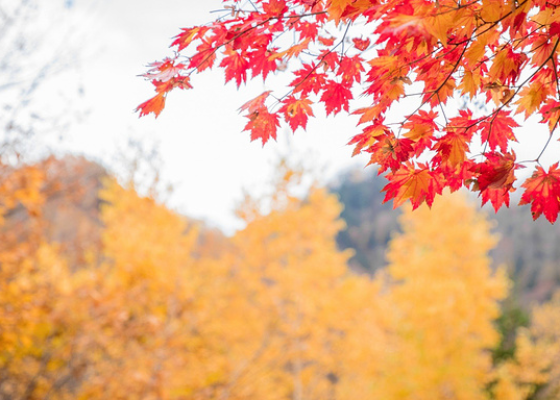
512, 318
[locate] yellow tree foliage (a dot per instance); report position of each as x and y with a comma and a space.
534, 373
39, 339
316, 324
68, 333
443, 298
272, 313
141, 294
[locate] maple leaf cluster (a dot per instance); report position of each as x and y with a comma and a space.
501, 52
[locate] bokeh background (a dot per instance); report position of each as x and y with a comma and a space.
175, 259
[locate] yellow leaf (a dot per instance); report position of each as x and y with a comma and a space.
336, 8
531, 97
439, 25
491, 10
470, 83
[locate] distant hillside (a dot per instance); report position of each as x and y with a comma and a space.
529, 249
70, 214
369, 223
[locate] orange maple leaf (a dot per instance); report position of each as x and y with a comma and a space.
154, 105
408, 183
262, 125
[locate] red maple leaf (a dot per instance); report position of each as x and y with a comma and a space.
542, 191
451, 149
496, 197
181, 82
308, 80
204, 57
275, 7
389, 152
421, 129
495, 178
351, 69
554, 29
361, 44
409, 183
262, 125
369, 135
297, 111
185, 38
164, 70
498, 131
310, 3
336, 97
262, 62
326, 41
497, 171
307, 30
255, 104
236, 65
330, 60
551, 113
454, 177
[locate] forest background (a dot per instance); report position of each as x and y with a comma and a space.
106, 292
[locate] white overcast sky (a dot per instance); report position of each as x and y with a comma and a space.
206, 156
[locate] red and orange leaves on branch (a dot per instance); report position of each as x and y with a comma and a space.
542, 191
500, 52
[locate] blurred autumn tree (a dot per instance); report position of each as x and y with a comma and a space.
527, 248
534, 372
444, 298
152, 309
